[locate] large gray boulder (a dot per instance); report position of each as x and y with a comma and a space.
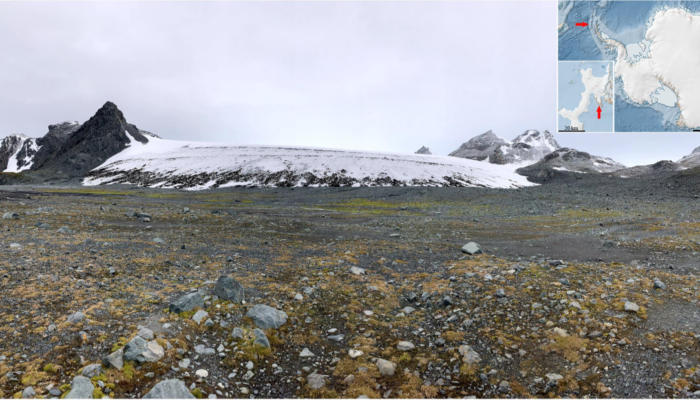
80, 388
229, 289
266, 317
140, 350
169, 389
187, 302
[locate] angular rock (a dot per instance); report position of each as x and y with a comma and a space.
80, 388
199, 316
306, 353
116, 360
266, 317
138, 349
92, 371
28, 392
229, 289
405, 346
237, 333
316, 381
261, 338
469, 356
187, 302
146, 333
386, 367
357, 271
472, 248
631, 307
169, 389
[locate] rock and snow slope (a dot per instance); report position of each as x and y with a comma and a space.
192, 165
17, 153
569, 160
526, 149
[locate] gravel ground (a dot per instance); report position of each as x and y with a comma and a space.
562, 302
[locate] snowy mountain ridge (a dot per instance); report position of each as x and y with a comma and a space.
197, 165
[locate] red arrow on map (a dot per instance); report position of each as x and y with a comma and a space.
599, 111
581, 24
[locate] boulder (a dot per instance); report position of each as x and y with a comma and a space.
140, 350
472, 248
80, 388
266, 317
116, 360
229, 289
169, 389
187, 302
316, 381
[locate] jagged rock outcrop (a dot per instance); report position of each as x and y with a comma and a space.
102, 136
423, 150
566, 160
479, 147
525, 149
57, 135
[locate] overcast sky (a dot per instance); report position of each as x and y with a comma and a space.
388, 76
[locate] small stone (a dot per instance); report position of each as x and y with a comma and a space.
202, 373
631, 307
472, 248
184, 363
659, 285
306, 353
202, 349
386, 367
75, 318
209, 323
199, 315
355, 353
405, 346
260, 338
316, 381
469, 356
146, 333
237, 333
357, 270
116, 359
28, 392
92, 371
298, 296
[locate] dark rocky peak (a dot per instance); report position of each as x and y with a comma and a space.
479, 147
105, 134
423, 150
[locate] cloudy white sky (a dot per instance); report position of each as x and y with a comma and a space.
388, 76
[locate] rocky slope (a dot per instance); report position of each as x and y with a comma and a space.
56, 137
525, 149
10, 146
662, 166
691, 160
569, 160
104, 135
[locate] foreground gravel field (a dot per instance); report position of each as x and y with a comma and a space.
585, 287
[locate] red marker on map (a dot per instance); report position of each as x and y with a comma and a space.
599, 111
582, 24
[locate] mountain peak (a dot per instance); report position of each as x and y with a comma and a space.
423, 150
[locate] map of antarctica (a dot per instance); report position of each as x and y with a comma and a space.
653, 46
585, 96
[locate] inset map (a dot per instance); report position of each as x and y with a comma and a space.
654, 45
585, 96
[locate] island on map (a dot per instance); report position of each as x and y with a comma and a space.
654, 48
585, 96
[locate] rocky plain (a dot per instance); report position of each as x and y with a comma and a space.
586, 286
